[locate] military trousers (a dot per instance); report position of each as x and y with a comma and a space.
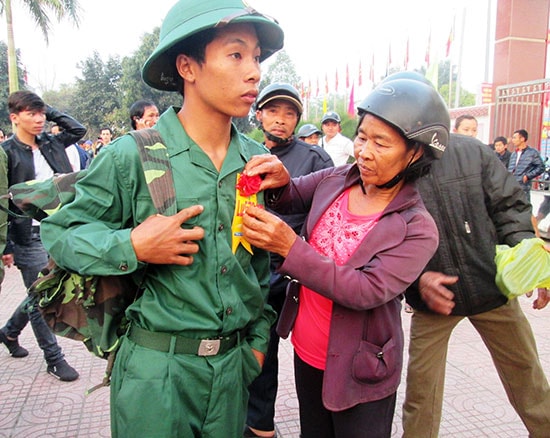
165, 394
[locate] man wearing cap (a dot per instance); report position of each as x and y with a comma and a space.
309, 133
278, 110
339, 147
199, 331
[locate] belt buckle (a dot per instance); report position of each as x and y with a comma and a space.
209, 347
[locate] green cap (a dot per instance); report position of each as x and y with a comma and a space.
188, 17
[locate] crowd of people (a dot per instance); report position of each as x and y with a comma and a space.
336, 233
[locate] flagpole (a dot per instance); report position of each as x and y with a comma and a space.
449, 48
459, 62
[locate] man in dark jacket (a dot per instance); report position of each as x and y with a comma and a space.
525, 162
476, 204
278, 109
33, 154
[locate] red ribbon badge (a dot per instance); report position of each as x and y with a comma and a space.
248, 185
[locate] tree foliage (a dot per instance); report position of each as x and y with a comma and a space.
39, 11
97, 93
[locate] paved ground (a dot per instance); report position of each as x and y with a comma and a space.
34, 404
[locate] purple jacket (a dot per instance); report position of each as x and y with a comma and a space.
365, 351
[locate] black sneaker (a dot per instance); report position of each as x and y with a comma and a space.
13, 346
63, 371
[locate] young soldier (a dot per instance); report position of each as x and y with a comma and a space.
200, 330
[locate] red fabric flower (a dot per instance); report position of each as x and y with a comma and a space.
248, 185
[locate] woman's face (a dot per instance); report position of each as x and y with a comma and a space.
381, 151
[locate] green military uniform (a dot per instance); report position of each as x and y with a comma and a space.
220, 294
4, 203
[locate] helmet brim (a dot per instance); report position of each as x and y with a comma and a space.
159, 71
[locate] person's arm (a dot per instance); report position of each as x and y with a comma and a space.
379, 280
536, 167
72, 131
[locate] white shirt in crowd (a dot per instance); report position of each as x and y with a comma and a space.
340, 148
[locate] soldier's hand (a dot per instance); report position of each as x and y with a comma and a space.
260, 357
161, 239
434, 293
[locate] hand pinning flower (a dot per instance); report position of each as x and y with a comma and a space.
248, 185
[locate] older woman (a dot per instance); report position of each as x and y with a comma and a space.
367, 237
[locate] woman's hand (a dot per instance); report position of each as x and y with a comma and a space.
270, 168
265, 230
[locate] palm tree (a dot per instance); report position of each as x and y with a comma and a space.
38, 10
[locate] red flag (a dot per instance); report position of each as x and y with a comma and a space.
326, 84
336, 81
351, 106
309, 88
347, 76
360, 74
427, 57
317, 89
449, 42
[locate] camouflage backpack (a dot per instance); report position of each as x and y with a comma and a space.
91, 308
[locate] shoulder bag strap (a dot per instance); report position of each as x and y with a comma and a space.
157, 169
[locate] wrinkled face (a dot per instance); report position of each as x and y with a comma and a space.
150, 117
29, 121
500, 147
330, 128
381, 151
227, 81
278, 117
467, 127
312, 139
106, 136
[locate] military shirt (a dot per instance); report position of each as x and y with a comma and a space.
220, 292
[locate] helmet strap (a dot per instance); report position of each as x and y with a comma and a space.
393, 182
277, 140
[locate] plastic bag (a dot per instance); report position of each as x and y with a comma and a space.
522, 268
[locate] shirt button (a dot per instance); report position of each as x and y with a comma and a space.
219, 184
229, 311
123, 267
223, 270
221, 227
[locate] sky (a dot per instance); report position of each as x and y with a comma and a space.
323, 38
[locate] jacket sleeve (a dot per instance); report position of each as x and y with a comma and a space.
296, 197
384, 265
536, 167
72, 131
505, 201
91, 235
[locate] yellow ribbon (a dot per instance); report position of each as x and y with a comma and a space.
241, 202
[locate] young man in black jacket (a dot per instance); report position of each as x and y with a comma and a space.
34, 154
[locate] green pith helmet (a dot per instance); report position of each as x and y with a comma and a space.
188, 17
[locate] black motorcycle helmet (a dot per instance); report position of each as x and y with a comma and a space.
409, 102
279, 91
